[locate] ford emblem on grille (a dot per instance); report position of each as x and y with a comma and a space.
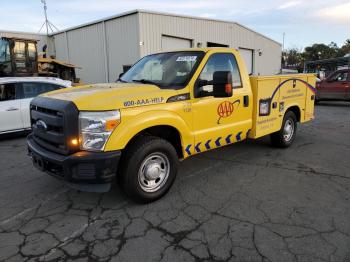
40, 124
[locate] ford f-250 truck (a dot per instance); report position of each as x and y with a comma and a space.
168, 106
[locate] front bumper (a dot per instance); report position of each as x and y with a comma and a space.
86, 171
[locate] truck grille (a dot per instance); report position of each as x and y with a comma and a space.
54, 123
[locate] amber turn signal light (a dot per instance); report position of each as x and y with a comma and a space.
74, 142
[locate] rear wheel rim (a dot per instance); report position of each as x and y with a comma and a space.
288, 130
154, 172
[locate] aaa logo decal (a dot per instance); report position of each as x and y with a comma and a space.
226, 108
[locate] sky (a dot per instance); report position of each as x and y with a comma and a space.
303, 22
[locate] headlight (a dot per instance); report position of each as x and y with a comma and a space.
96, 127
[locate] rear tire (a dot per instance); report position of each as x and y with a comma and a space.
148, 169
286, 135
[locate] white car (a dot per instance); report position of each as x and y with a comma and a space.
15, 96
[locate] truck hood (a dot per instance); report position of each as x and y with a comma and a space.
113, 96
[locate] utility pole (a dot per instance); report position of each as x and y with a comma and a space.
283, 53
47, 23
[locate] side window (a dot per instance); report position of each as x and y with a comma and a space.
20, 50
343, 77
219, 62
7, 92
4, 51
340, 77
31, 51
34, 89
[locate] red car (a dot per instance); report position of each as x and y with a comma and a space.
335, 87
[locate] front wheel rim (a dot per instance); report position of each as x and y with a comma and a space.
288, 130
154, 172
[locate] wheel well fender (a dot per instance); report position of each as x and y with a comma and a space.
166, 132
176, 131
296, 110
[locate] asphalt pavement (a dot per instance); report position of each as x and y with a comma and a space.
244, 202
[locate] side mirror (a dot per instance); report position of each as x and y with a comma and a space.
222, 84
202, 82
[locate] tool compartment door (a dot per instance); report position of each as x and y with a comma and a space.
273, 95
266, 115
310, 99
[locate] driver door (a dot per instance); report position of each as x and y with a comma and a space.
335, 86
220, 121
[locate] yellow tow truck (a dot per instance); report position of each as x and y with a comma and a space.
167, 107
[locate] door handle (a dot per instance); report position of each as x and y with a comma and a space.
246, 101
12, 109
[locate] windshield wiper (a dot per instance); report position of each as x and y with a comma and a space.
120, 80
145, 81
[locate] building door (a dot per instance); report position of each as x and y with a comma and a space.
248, 56
170, 43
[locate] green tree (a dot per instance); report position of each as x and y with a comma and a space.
292, 57
345, 49
320, 51
296, 57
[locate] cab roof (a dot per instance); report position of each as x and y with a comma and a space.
203, 49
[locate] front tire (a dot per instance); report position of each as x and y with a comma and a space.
148, 169
286, 135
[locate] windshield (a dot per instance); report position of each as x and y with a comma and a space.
4, 51
166, 70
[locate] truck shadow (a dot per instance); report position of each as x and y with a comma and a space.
333, 104
14, 136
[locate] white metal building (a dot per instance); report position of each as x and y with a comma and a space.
106, 47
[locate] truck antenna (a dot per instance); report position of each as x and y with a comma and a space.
48, 25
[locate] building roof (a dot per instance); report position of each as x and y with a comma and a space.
159, 13
6, 32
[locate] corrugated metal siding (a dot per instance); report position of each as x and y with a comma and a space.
42, 39
60, 48
86, 49
123, 44
269, 63
153, 26
101, 49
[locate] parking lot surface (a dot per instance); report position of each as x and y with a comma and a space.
244, 202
